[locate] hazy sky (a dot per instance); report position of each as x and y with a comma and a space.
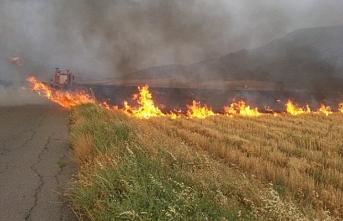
114, 37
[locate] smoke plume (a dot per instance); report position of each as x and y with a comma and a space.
111, 38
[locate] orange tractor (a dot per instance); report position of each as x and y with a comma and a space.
62, 80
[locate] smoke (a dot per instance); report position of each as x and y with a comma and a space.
111, 38
12, 81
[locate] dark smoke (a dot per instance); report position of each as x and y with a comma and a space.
105, 39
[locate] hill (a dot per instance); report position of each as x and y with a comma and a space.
307, 59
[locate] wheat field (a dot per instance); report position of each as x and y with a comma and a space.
268, 167
302, 154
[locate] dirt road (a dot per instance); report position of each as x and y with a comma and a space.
35, 164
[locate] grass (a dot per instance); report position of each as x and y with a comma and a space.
61, 162
221, 168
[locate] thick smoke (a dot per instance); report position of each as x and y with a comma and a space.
111, 38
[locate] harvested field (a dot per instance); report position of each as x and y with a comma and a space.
250, 168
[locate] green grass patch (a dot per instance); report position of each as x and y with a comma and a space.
139, 190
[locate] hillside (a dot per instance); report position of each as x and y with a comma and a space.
309, 59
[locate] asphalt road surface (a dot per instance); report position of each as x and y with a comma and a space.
35, 164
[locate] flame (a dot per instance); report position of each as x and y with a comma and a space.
241, 108
172, 115
147, 108
196, 111
294, 110
15, 60
324, 109
270, 111
105, 105
230, 110
340, 108
175, 114
64, 98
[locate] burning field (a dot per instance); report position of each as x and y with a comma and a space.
142, 105
219, 168
188, 110
138, 161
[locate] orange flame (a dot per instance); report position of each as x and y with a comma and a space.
340, 108
271, 111
15, 60
64, 98
230, 110
324, 109
196, 111
241, 108
105, 105
175, 114
294, 110
147, 108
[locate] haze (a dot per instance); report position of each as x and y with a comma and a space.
108, 39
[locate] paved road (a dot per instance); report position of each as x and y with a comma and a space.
35, 164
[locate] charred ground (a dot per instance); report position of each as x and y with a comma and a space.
170, 99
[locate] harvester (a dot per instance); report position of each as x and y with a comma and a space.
62, 80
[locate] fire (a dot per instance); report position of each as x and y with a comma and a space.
230, 110
105, 105
197, 111
15, 60
64, 98
175, 114
242, 109
147, 108
340, 108
324, 109
270, 111
294, 110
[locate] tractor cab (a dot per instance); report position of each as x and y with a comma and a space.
62, 80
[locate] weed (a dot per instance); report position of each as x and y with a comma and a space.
61, 162
27, 215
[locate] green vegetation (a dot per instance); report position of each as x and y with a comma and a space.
220, 168
61, 162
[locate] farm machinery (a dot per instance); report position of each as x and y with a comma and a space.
62, 80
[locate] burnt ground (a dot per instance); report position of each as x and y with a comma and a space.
35, 164
168, 99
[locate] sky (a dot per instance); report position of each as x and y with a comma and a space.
110, 38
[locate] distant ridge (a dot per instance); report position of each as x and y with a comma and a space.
306, 59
